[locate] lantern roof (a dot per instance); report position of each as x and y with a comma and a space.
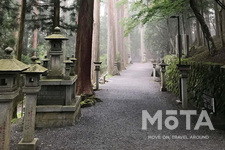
56, 35
34, 67
10, 64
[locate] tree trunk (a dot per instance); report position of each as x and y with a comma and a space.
205, 29
221, 28
111, 45
84, 47
143, 53
21, 30
96, 36
217, 24
56, 14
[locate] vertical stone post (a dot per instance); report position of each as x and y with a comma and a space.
163, 71
9, 91
31, 89
97, 69
184, 69
154, 71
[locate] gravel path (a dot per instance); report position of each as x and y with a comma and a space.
115, 123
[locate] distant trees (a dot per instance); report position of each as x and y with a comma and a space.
200, 19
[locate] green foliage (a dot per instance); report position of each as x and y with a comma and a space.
8, 23
155, 10
172, 74
203, 78
25, 59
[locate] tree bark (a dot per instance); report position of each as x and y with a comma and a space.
205, 29
143, 51
95, 41
56, 14
21, 30
84, 47
217, 19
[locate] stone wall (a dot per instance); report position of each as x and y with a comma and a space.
203, 78
52, 95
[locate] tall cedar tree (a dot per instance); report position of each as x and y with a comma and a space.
21, 30
84, 47
205, 29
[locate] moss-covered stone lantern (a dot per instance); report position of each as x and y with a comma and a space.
31, 90
56, 54
10, 68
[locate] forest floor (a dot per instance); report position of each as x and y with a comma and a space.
116, 123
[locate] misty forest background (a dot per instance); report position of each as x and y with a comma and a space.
115, 32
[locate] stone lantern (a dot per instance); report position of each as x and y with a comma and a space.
10, 68
163, 71
97, 69
72, 71
184, 70
154, 70
45, 62
31, 90
56, 54
68, 64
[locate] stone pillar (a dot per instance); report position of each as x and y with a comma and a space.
28, 141
184, 69
163, 71
97, 69
186, 45
154, 71
5, 124
31, 89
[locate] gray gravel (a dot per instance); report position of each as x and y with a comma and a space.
115, 123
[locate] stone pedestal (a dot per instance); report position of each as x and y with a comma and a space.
184, 69
57, 105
